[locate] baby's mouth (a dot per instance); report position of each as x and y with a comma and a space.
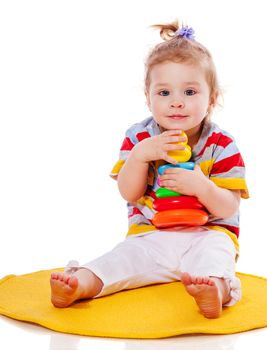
177, 116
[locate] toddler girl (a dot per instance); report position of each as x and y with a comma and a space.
181, 89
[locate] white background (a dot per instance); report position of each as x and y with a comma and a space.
71, 82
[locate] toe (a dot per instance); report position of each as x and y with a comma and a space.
186, 278
206, 280
66, 278
61, 277
73, 282
53, 276
199, 280
211, 282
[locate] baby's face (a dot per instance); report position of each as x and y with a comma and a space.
178, 96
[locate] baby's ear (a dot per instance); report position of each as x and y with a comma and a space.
213, 101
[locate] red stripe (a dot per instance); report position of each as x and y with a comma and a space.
233, 229
218, 139
227, 164
135, 211
142, 135
151, 193
127, 145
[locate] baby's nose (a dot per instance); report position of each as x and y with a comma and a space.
178, 103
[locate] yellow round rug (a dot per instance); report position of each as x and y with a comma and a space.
156, 311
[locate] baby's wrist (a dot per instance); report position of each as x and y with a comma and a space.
139, 155
205, 189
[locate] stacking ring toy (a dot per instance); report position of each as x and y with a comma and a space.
185, 165
173, 208
180, 202
181, 155
174, 217
163, 192
183, 134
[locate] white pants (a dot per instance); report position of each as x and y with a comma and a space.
161, 256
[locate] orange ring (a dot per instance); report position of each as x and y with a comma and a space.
175, 217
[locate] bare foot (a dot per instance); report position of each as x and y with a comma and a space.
66, 288
207, 293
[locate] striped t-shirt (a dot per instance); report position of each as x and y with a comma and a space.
217, 155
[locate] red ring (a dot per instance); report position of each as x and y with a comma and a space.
179, 202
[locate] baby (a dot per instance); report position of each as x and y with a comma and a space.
181, 89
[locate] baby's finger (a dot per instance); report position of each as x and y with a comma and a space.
172, 132
169, 159
168, 184
174, 139
173, 147
171, 171
166, 177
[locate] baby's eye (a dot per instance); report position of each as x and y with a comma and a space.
190, 92
164, 93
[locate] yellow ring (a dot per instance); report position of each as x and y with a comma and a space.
181, 155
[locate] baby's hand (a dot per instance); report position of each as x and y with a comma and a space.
157, 147
187, 182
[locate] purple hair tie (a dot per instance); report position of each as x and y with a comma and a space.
186, 32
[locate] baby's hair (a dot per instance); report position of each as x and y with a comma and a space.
182, 49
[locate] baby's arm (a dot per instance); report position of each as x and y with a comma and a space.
221, 202
132, 178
